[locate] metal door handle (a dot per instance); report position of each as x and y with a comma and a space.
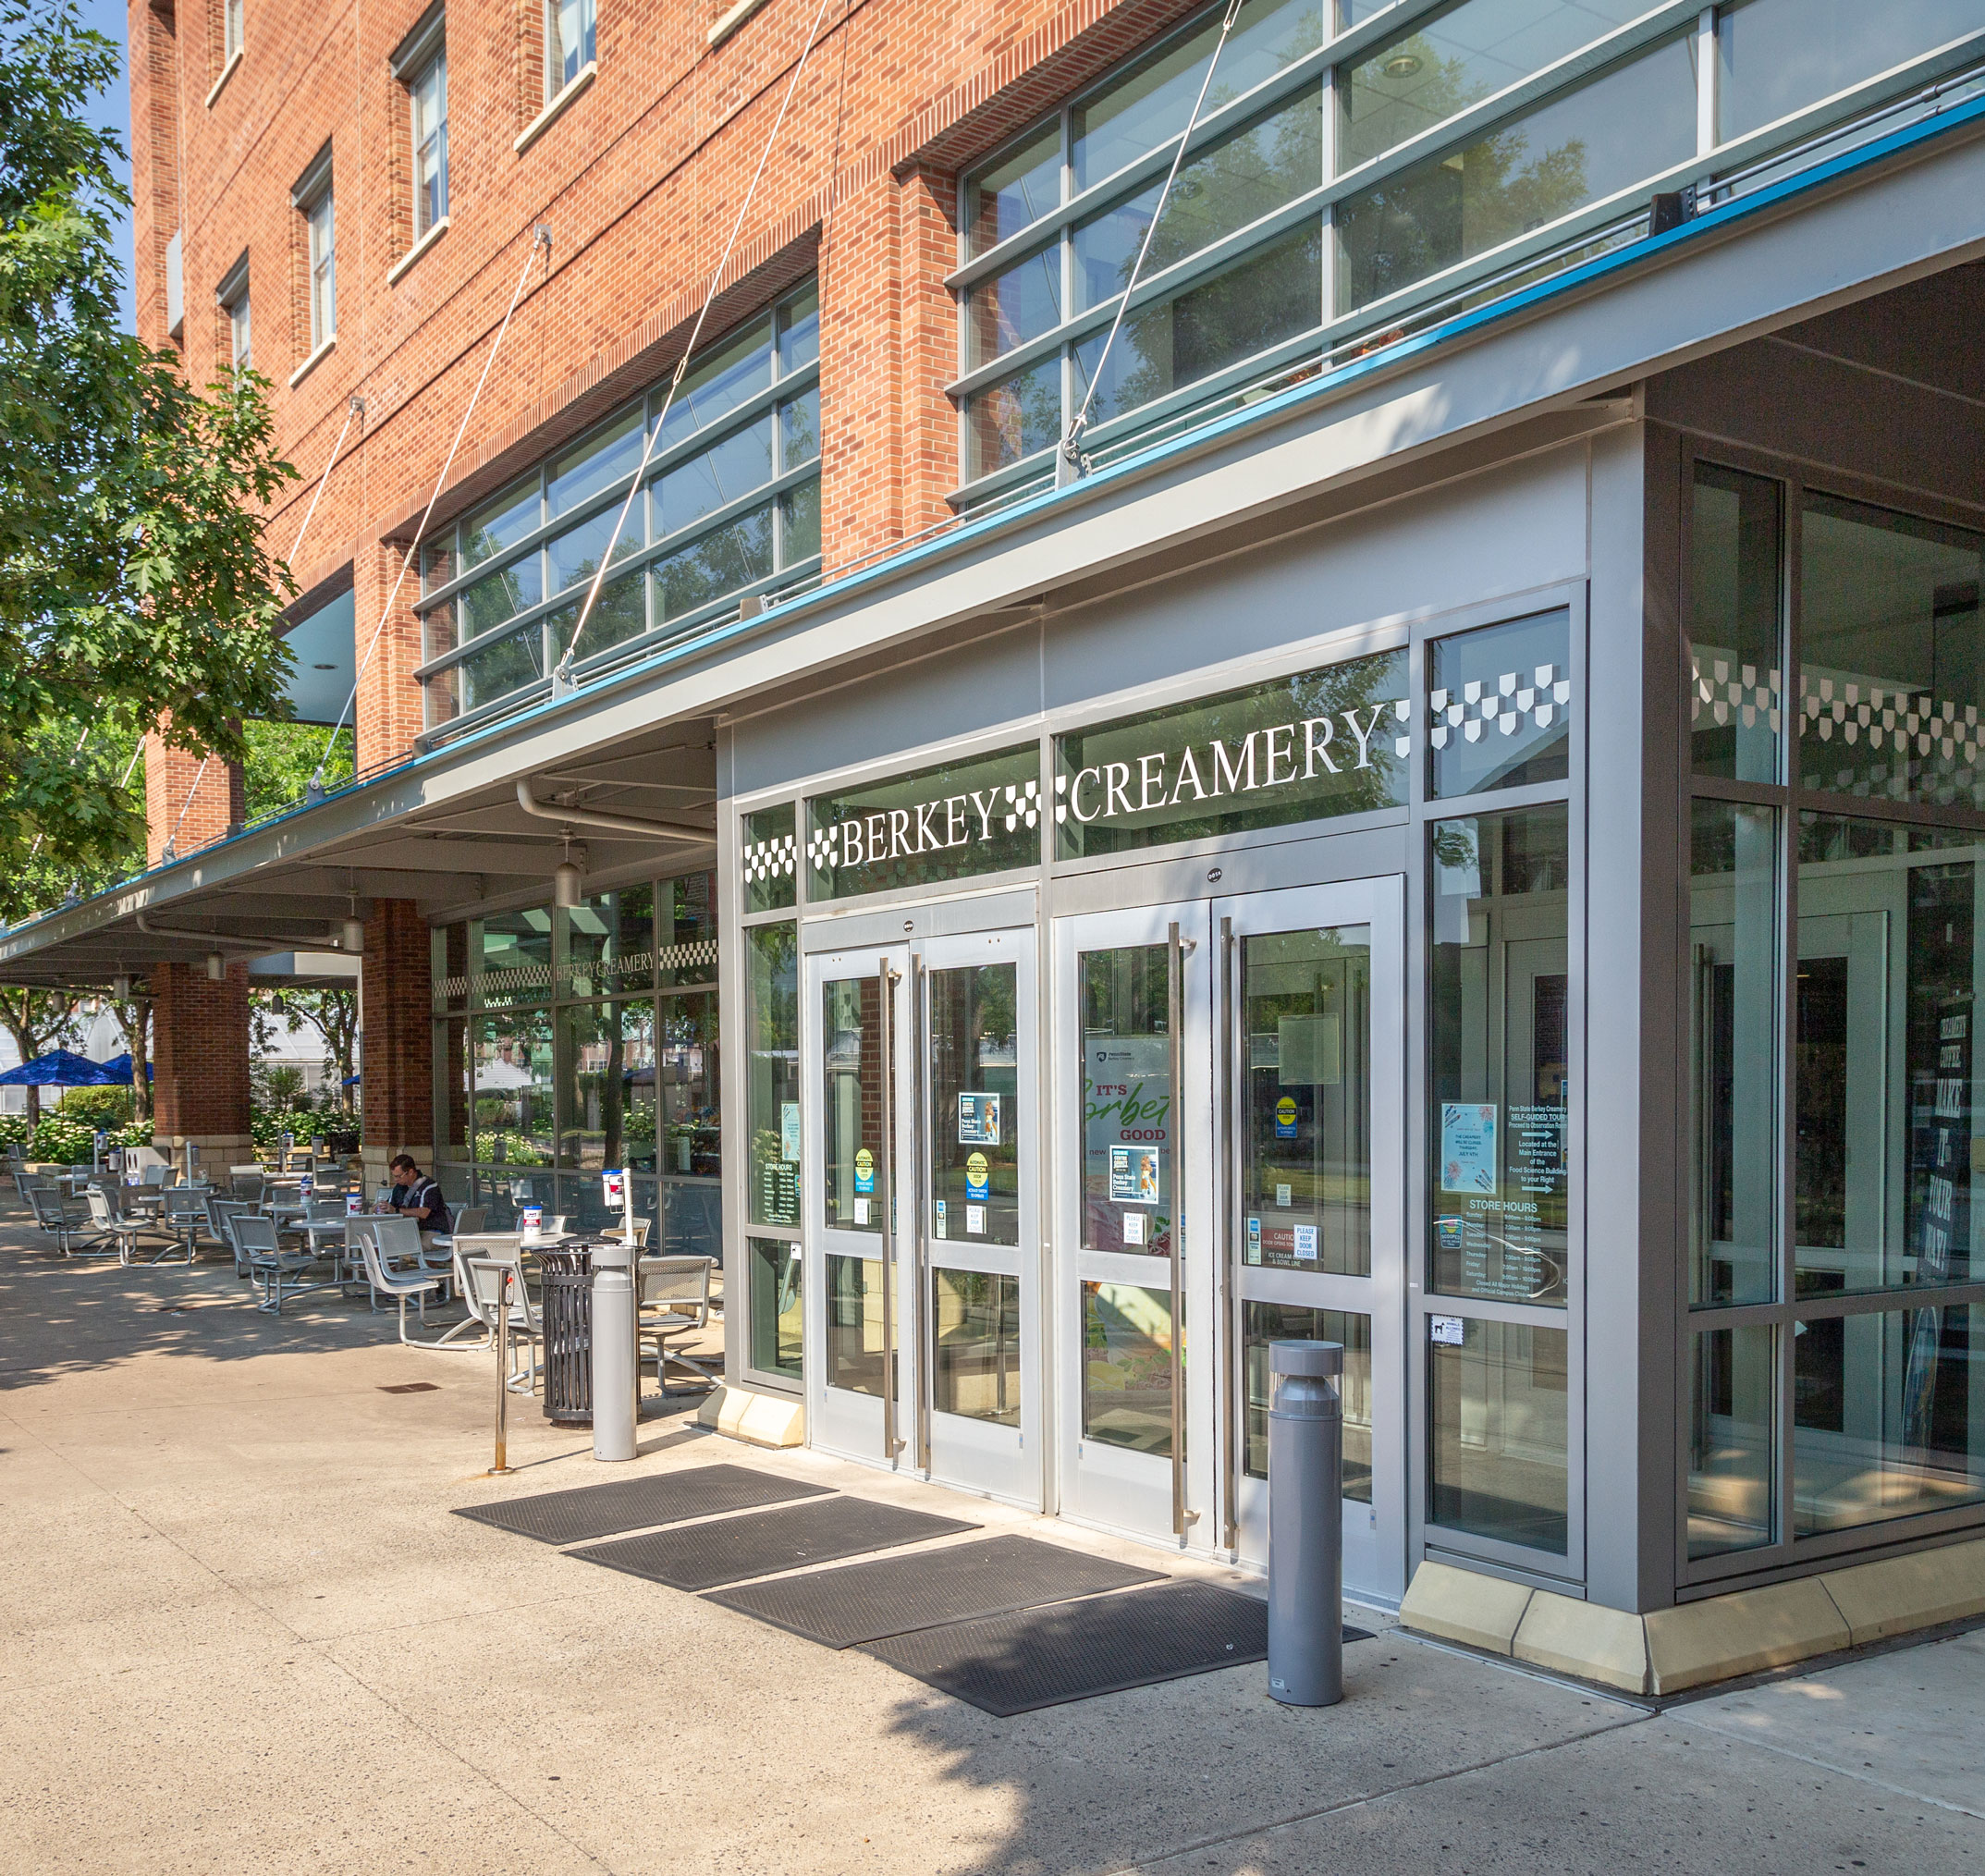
1176, 949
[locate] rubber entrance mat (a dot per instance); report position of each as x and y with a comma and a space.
730, 1550
866, 1601
627, 1504
1042, 1656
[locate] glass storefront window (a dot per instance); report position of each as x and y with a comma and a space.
606, 1085
975, 1116
1732, 1419
1736, 660
454, 1090
772, 1073
855, 1157
767, 859
1887, 1420
611, 943
1126, 1367
1733, 987
1887, 925
975, 1345
687, 1068
513, 1089
1498, 709
1891, 667
685, 930
1306, 1173
854, 1345
513, 957
775, 1272
1499, 1043
1126, 1100
1264, 1322
1499, 1464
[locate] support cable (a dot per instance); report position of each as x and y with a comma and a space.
540, 239
561, 676
355, 408
1069, 464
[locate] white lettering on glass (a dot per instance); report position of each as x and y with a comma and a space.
1317, 748
1188, 772
1116, 778
1230, 772
1279, 755
1151, 775
1365, 733
985, 808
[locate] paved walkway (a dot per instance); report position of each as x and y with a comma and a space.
240, 1632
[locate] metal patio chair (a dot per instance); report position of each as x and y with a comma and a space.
248, 1182
399, 1283
60, 1219
499, 1246
185, 1215
482, 1282
269, 1264
126, 1230
672, 1299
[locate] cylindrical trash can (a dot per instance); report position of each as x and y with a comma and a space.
1305, 1525
567, 1325
613, 1356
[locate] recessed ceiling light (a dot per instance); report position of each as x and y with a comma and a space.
1403, 64
323, 668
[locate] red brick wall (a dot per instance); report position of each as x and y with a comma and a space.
200, 1054
398, 1082
201, 802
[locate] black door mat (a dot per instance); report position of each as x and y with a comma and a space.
866, 1601
1009, 1665
730, 1550
627, 1504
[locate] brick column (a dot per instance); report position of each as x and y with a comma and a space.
202, 803
200, 1047
389, 703
395, 1041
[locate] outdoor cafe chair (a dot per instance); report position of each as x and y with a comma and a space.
498, 1245
643, 1226
471, 1219
228, 1213
126, 1230
399, 1283
397, 1244
268, 1263
483, 1280
185, 1214
56, 1217
672, 1296
247, 1182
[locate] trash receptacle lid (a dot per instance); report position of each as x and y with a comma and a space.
1306, 1357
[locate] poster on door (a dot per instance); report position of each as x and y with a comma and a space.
1126, 1105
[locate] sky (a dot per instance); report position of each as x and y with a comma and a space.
112, 109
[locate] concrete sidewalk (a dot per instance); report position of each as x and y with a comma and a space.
243, 1632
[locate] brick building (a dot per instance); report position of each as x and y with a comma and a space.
1309, 671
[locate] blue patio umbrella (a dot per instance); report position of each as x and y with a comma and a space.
118, 1067
62, 1069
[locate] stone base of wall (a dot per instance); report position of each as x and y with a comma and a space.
1695, 1643
758, 1419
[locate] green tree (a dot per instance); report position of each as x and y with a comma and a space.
36, 1019
135, 589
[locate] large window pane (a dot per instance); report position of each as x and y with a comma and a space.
1264, 1322
772, 1073
606, 1085
799, 331
1498, 1468
1500, 708
1736, 660
1500, 1056
619, 614
1734, 1080
976, 1115
1889, 1421
500, 523
513, 1089
1015, 418
1018, 304
509, 665
975, 1345
609, 943
722, 474
513, 957
726, 558
687, 1064
854, 1323
686, 930
774, 1269
597, 463
736, 371
575, 554
1459, 57
768, 857
1014, 193
1892, 670
857, 1156
1780, 56
499, 599
1733, 1413
1126, 1367
1630, 124
1126, 1100
1887, 929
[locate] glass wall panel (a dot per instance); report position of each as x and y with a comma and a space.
1018, 304
772, 1073
511, 664
513, 1089
606, 1085
975, 1345
1890, 1416
768, 858
1459, 57
1635, 121
976, 1121
774, 1269
687, 933
496, 600
1732, 1414
609, 943
1126, 1100
1777, 57
799, 332
1126, 1367
1305, 1180
1018, 417
736, 371
1500, 1056
1264, 1322
1891, 662
1888, 930
1499, 1464
1014, 193
500, 523
574, 555
513, 961
619, 615
454, 1090
1499, 705
1734, 1074
598, 462
855, 1157
854, 1348
1736, 659
687, 1065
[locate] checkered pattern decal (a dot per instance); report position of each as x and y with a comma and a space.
1023, 805
1503, 706
1727, 693
771, 858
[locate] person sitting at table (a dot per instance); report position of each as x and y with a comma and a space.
419, 1198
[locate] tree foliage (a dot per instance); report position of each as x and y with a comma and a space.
135, 589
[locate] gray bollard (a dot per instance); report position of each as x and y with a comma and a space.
613, 1360
1305, 1525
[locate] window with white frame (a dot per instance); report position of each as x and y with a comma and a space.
569, 42
322, 217
232, 297
427, 100
231, 31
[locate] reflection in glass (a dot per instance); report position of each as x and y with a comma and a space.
768, 857
1731, 1414
609, 943
774, 1284
1887, 918
513, 1089
1500, 1056
1126, 1367
976, 1348
1633, 122
1735, 663
853, 1171
1891, 666
1500, 708
1266, 1322
1734, 1051
1888, 1419
1499, 1462
686, 1067
686, 930
1016, 191
606, 1085
1018, 304
1014, 418
515, 957
1126, 1100
1306, 1176
976, 1118
854, 1323
772, 1073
